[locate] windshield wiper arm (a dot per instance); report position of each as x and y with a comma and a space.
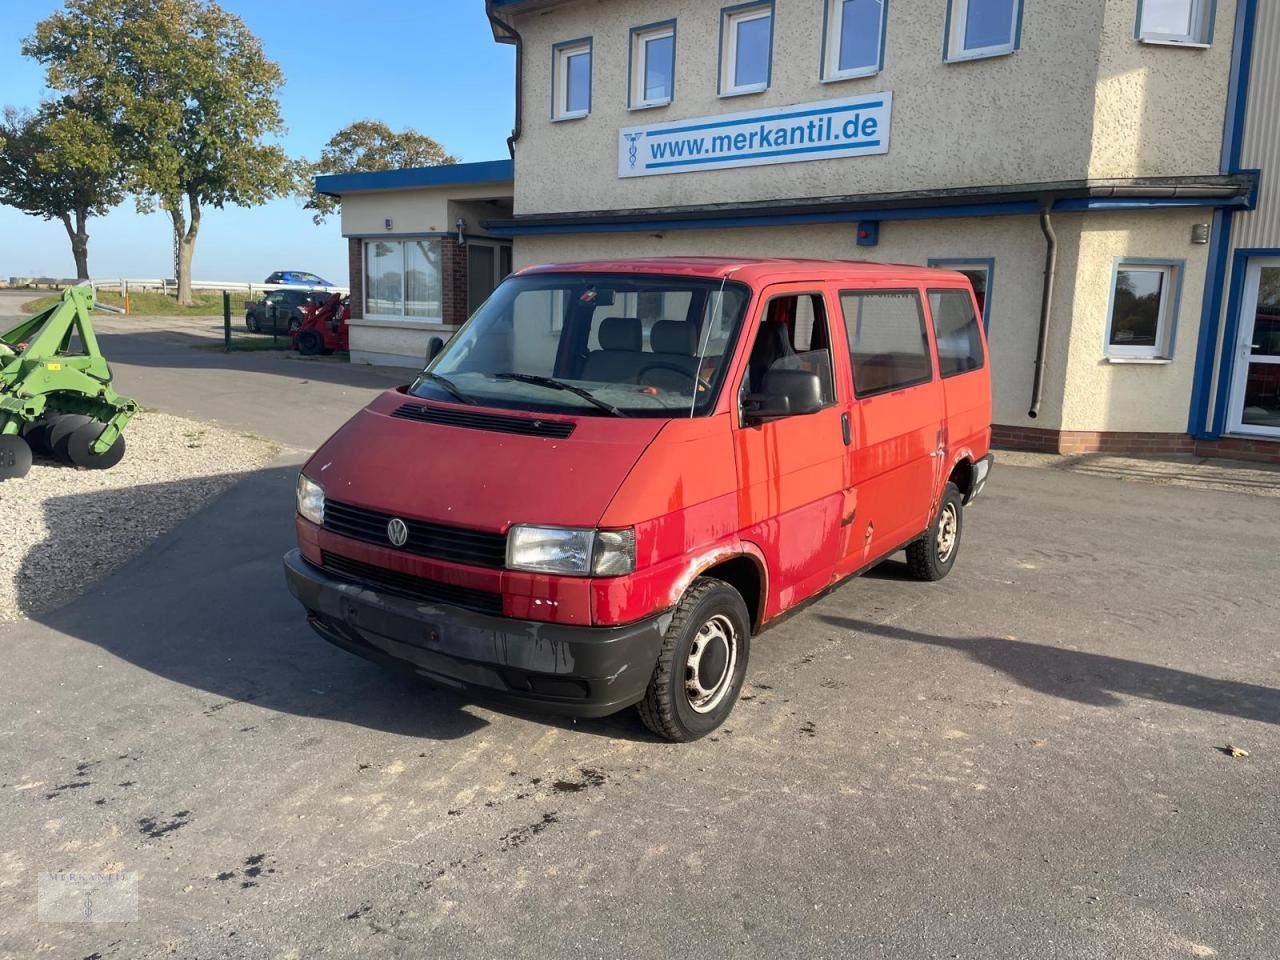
447, 384
555, 384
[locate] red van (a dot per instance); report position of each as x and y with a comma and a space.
616, 473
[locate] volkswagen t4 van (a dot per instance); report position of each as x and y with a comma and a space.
615, 474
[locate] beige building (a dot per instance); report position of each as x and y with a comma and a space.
1093, 165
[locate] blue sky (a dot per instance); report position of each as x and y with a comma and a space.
427, 64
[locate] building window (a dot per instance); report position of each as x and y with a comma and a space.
402, 279
1176, 21
653, 65
854, 31
746, 48
981, 272
1144, 309
982, 28
571, 79
888, 340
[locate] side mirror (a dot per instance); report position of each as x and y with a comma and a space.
786, 393
434, 346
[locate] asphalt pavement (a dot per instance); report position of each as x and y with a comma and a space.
1022, 760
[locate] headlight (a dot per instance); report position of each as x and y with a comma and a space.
311, 500
571, 550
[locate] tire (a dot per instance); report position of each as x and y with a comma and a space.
708, 642
251, 321
310, 343
933, 555
37, 436
295, 324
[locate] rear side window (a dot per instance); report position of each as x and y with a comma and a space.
888, 340
955, 325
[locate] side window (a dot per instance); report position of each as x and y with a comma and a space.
571, 79
955, 327
794, 335
888, 340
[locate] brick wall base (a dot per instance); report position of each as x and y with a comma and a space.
355, 263
1132, 444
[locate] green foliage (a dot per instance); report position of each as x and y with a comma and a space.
190, 95
365, 146
149, 303
62, 163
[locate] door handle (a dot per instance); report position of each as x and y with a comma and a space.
845, 430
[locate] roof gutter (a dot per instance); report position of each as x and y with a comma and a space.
503, 32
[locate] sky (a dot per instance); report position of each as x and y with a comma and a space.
428, 64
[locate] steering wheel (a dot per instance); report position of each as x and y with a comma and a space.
659, 365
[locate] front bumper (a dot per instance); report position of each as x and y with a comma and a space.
582, 671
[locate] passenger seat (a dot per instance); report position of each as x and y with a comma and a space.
674, 345
619, 358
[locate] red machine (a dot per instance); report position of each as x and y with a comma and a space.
324, 326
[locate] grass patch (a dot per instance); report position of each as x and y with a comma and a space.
153, 303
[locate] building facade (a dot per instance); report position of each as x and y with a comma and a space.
420, 257
1098, 167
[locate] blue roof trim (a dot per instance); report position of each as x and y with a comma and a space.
445, 175
993, 209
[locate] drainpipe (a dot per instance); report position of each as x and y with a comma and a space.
1046, 305
512, 36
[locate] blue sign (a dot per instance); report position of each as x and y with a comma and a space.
821, 130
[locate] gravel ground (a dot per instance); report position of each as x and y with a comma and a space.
62, 528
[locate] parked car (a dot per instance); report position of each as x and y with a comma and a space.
568, 512
300, 277
280, 310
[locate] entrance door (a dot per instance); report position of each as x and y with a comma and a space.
1255, 406
487, 266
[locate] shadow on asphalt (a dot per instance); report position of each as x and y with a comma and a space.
1093, 678
176, 350
206, 606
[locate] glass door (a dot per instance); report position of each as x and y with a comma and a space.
487, 265
1255, 406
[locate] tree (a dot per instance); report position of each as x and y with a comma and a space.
191, 99
61, 163
368, 145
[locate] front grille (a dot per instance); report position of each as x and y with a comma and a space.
449, 416
437, 540
409, 586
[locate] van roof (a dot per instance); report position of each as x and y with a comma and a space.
753, 269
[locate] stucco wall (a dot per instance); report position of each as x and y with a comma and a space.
1015, 243
421, 210
1101, 395
1026, 117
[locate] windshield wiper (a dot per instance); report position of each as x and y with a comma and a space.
447, 384
555, 384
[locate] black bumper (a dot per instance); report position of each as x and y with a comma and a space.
582, 671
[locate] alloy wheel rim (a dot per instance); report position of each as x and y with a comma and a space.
948, 532
712, 661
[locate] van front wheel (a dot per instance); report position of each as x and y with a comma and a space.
933, 555
702, 663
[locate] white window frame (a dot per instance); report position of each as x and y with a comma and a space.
640, 38
731, 18
403, 316
1200, 17
958, 17
560, 55
1170, 296
833, 27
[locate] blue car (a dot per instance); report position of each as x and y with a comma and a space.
300, 277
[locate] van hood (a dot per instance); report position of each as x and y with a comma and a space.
485, 477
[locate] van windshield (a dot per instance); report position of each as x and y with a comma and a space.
594, 344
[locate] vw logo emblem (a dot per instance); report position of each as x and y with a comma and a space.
397, 532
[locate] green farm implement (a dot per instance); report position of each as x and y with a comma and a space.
55, 391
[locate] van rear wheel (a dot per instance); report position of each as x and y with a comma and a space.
702, 663
933, 555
